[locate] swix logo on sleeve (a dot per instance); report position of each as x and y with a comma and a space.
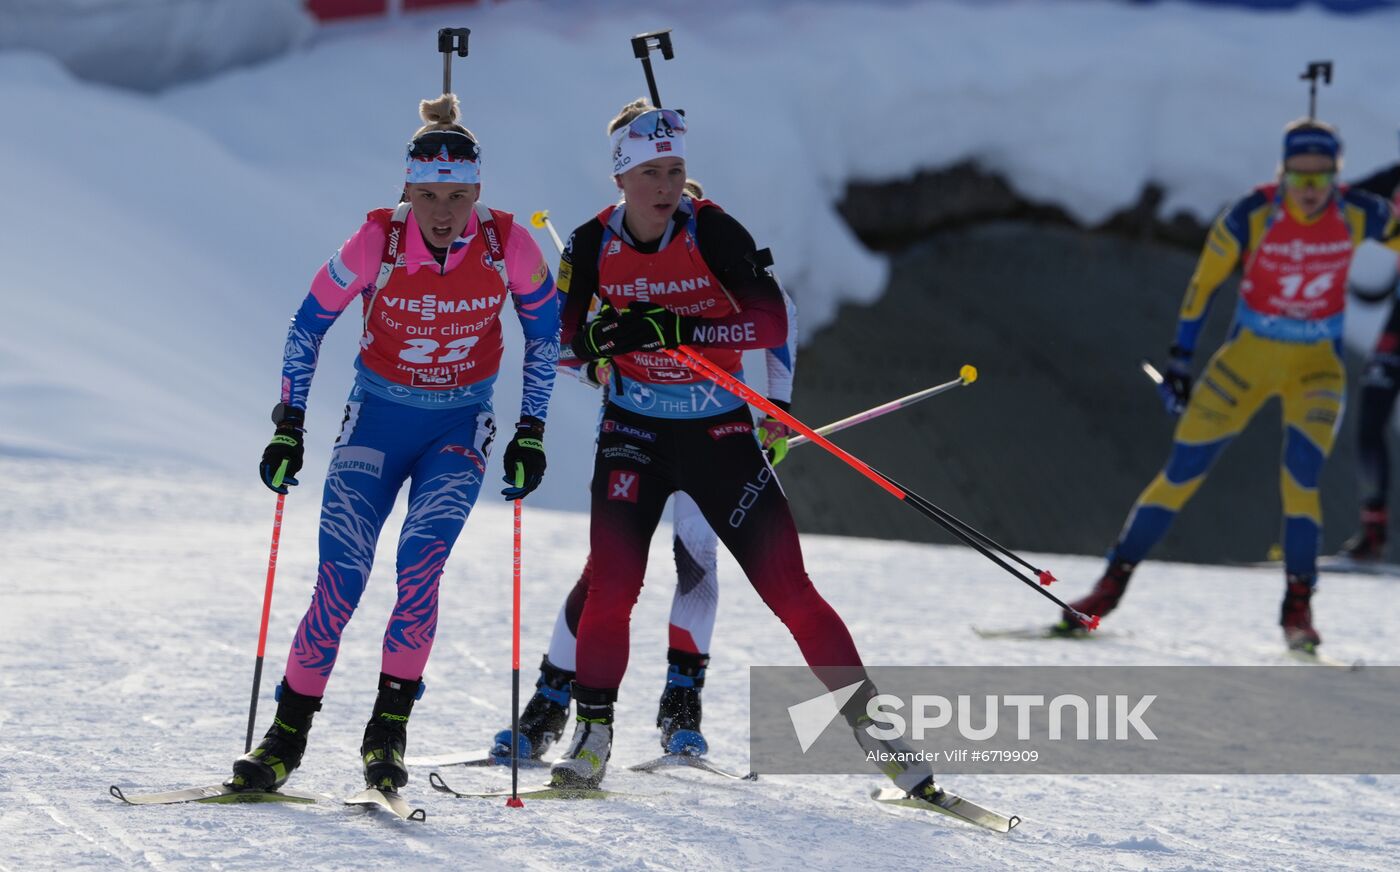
622, 485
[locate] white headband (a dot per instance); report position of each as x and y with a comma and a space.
646, 138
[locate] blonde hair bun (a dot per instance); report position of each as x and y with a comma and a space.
441, 113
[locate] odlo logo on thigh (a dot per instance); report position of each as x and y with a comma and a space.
622, 485
750, 496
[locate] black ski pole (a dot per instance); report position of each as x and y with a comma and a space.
451, 39
642, 46
1316, 70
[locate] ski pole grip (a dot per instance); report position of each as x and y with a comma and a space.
643, 43
452, 39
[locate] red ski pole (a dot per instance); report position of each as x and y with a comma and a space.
514, 801
969, 535
262, 631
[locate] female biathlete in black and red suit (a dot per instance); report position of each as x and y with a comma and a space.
672, 270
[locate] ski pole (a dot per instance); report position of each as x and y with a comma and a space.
1316, 70
966, 376
642, 46
514, 801
970, 536
262, 631
451, 39
541, 219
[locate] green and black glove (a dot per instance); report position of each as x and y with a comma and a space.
640, 327
282, 458
524, 459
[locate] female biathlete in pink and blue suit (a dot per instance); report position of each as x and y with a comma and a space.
432, 276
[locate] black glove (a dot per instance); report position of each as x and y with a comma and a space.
281, 459
640, 327
1175, 388
524, 459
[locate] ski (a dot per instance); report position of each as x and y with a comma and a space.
390, 801
949, 804
545, 791
214, 793
470, 758
670, 761
1045, 632
1313, 658
1358, 567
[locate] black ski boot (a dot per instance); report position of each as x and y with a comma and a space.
1296, 615
1099, 601
544, 718
267, 766
386, 734
678, 715
1369, 541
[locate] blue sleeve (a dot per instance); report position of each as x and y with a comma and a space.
538, 311
309, 326
1375, 216
782, 360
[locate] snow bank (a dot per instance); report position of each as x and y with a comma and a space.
149, 44
149, 280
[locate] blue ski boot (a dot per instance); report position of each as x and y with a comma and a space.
678, 715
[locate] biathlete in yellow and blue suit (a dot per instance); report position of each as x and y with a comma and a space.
1294, 241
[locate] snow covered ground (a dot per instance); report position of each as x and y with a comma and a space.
154, 247
130, 619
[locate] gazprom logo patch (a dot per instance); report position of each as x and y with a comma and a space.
357, 458
342, 275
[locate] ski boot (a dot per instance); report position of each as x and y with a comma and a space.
586, 761
386, 734
900, 761
544, 718
1296, 615
1369, 541
1099, 601
267, 766
678, 715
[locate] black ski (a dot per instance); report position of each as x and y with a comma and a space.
1049, 631
471, 758
949, 804
390, 801
669, 761
214, 793
546, 791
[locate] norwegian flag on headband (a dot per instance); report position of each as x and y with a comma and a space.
663, 146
